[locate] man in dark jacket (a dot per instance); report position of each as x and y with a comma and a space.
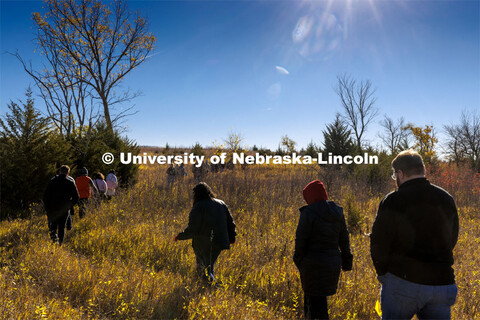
59, 197
211, 228
322, 248
412, 241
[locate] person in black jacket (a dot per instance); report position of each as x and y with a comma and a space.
59, 197
211, 228
412, 241
322, 248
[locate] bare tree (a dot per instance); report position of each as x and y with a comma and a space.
358, 102
69, 102
464, 138
453, 145
99, 43
395, 135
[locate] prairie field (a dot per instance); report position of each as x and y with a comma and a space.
120, 261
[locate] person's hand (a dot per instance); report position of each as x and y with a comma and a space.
175, 238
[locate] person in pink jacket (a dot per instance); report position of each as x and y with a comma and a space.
99, 182
112, 184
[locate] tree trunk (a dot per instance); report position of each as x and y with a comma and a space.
106, 111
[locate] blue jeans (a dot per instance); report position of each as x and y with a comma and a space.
402, 299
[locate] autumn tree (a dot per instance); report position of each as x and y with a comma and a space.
358, 102
425, 141
90, 47
233, 143
288, 144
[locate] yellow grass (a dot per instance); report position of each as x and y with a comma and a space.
120, 261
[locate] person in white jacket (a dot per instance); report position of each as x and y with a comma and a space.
112, 184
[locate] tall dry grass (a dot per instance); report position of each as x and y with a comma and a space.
120, 261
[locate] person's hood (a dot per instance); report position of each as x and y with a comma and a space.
315, 192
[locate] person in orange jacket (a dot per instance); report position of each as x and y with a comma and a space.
85, 186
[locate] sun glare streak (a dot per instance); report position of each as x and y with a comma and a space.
376, 15
324, 27
318, 34
348, 14
302, 29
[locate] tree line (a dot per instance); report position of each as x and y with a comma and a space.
89, 47
345, 134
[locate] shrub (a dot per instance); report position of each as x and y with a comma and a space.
88, 151
352, 211
30, 152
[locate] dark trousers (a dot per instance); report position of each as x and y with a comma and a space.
315, 307
206, 257
57, 227
69, 223
71, 212
82, 206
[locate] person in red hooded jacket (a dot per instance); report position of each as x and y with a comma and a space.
322, 249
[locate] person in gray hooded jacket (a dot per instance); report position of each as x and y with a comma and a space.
211, 228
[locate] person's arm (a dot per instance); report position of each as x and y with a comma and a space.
455, 225
101, 186
94, 187
344, 244
230, 226
302, 236
194, 222
383, 232
105, 187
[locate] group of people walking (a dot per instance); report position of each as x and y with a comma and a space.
411, 244
175, 172
63, 193
178, 172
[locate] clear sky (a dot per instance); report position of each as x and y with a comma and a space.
268, 68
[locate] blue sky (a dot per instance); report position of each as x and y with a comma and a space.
220, 66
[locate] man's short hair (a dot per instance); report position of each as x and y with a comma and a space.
64, 169
410, 162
